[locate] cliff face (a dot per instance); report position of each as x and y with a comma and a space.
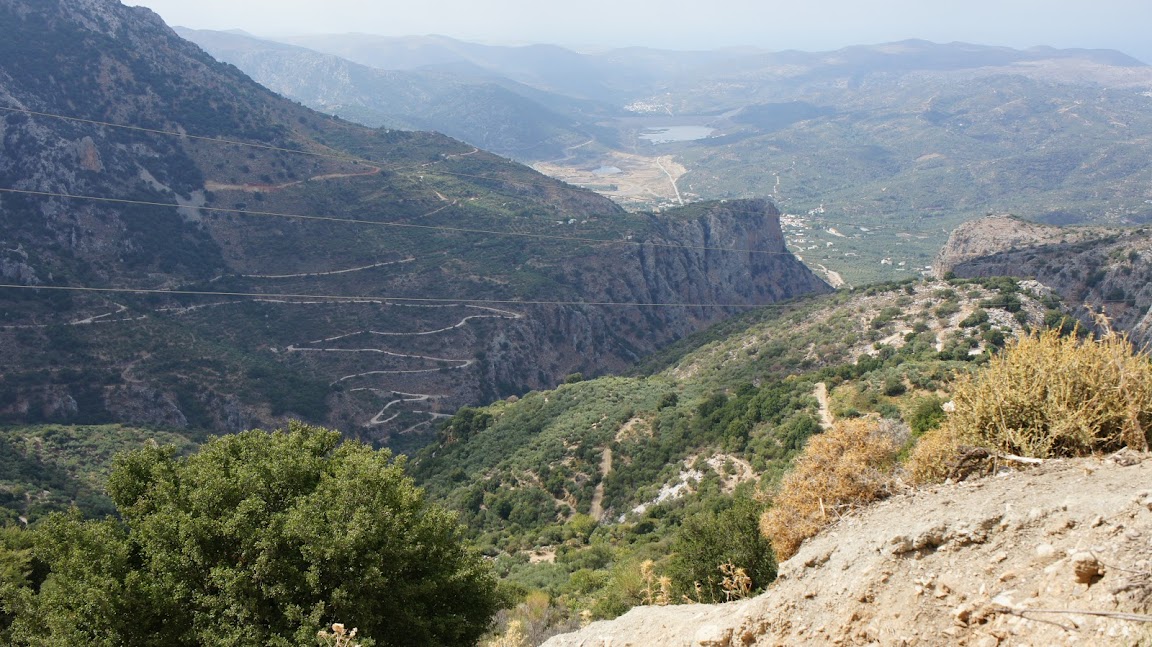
692, 270
1100, 268
354, 277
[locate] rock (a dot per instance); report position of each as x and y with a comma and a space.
1045, 553
713, 636
1086, 568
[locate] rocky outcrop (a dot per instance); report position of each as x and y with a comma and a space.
998, 234
1092, 269
694, 269
1052, 555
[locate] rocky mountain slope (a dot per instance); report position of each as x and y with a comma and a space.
1053, 555
1093, 269
727, 406
880, 149
495, 114
372, 280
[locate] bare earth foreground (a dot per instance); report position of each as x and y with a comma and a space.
1021, 558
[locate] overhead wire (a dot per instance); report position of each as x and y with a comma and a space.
389, 223
356, 159
378, 298
382, 165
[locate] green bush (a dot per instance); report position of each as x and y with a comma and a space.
257, 539
925, 414
707, 540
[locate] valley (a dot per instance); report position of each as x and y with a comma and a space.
548, 341
896, 143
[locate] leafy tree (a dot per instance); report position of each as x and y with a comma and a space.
707, 540
258, 539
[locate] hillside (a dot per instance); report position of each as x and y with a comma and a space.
877, 151
505, 118
571, 490
769, 361
1010, 559
1093, 268
371, 280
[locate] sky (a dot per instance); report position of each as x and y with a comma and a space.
811, 25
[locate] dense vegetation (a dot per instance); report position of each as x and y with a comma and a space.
50, 468
257, 539
700, 438
607, 493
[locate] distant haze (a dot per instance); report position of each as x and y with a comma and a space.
814, 25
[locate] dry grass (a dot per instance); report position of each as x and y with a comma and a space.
845, 467
1046, 396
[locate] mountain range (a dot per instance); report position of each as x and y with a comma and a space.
890, 146
188, 249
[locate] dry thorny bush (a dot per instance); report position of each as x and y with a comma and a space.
338, 637
1046, 396
847, 466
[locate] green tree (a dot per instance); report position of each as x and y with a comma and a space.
258, 539
707, 540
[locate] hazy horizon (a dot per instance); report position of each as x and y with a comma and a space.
820, 25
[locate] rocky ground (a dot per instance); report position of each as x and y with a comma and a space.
1058, 554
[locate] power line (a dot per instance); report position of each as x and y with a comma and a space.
380, 223
371, 298
376, 298
268, 146
345, 158
176, 133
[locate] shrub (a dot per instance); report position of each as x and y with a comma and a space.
258, 539
848, 466
925, 414
1047, 395
708, 540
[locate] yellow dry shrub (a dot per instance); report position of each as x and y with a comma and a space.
849, 465
1046, 396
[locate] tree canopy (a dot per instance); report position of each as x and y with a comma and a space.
258, 539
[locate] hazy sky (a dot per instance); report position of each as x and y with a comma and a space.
693, 24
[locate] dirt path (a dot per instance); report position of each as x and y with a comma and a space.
821, 395
443, 363
672, 179
834, 278
328, 273
412, 397
597, 509
212, 185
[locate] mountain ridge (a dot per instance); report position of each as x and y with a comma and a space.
397, 235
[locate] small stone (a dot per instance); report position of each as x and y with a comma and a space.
963, 613
1086, 568
1045, 552
1097, 521
987, 641
1007, 575
999, 557
713, 636
901, 544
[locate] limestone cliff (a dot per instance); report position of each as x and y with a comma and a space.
1090, 268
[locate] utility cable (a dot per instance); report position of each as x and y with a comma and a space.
370, 298
385, 223
176, 133
344, 158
